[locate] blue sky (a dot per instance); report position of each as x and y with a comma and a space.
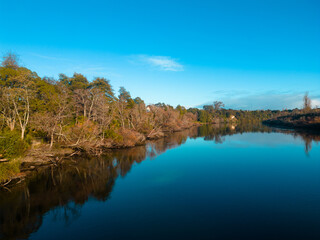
249, 54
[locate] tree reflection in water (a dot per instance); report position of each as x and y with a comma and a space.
69, 185
308, 137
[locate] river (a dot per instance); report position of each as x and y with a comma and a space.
208, 182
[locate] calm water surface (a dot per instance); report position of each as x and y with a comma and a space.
211, 182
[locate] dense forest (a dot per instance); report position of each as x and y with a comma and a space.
73, 112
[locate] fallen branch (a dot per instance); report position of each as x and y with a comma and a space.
6, 183
75, 152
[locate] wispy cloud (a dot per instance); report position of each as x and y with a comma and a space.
50, 57
161, 63
237, 99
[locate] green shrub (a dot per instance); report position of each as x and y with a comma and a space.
11, 144
111, 134
9, 169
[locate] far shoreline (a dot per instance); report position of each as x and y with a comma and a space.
308, 121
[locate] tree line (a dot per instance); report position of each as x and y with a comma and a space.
76, 112
73, 111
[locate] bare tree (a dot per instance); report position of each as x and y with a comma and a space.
306, 102
96, 96
10, 60
104, 116
87, 100
82, 100
121, 105
21, 105
15, 108
7, 108
218, 105
51, 122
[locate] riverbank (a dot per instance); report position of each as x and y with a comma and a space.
308, 121
41, 155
